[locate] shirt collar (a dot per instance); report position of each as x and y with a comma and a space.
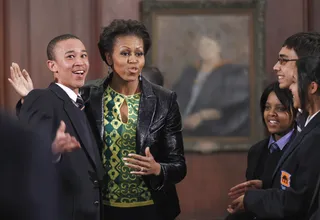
282, 141
310, 117
70, 93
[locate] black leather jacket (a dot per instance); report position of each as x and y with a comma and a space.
159, 127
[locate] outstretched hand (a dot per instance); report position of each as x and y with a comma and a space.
63, 141
237, 205
241, 188
20, 81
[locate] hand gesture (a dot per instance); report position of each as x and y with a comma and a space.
63, 141
20, 81
143, 165
241, 188
236, 205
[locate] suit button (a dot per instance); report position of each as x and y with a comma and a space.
96, 203
95, 182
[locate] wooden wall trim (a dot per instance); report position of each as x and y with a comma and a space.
96, 64
2, 48
307, 15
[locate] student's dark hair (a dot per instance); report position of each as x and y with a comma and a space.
304, 43
54, 41
153, 74
308, 71
284, 96
120, 27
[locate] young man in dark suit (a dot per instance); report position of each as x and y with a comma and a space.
60, 107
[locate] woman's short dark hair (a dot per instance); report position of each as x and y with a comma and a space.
120, 27
308, 71
284, 96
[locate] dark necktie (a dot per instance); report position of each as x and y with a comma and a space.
274, 147
80, 102
301, 120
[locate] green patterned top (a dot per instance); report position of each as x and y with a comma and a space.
121, 188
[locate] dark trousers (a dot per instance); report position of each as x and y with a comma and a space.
136, 213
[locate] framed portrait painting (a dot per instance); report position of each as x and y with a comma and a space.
212, 55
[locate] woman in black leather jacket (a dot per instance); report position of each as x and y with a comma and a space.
139, 126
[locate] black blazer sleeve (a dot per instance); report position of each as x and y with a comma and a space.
278, 203
37, 111
173, 168
253, 159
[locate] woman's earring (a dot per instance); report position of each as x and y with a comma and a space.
109, 70
140, 77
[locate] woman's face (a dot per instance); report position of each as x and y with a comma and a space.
127, 58
276, 116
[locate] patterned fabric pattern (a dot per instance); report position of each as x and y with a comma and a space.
121, 188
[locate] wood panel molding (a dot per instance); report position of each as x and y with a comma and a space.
2, 48
307, 15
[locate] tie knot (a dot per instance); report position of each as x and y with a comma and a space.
80, 102
274, 147
301, 120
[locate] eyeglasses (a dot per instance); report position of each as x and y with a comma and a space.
283, 60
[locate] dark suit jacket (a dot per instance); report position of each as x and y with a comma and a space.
159, 127
27, 175
79, 172
255, 157
301, 162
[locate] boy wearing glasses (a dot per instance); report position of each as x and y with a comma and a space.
299, 45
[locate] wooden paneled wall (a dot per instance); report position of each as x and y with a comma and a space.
31, 24
2, 41
26, 26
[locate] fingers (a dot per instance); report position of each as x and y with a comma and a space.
239, 190
236, 207
147, 152
235, 195
240, 186
137, 169
72, 145
16, 70
64, 142
140, 173
230, 209
62, 127
139, 157
26, 75
257, 184
12, 83
137, 163
12, 73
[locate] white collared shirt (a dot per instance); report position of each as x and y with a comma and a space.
73, 97
310, 118
71, 94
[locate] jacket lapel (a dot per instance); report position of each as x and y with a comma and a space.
256, 159
96, 106
296, 142
78, 127
146, 113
